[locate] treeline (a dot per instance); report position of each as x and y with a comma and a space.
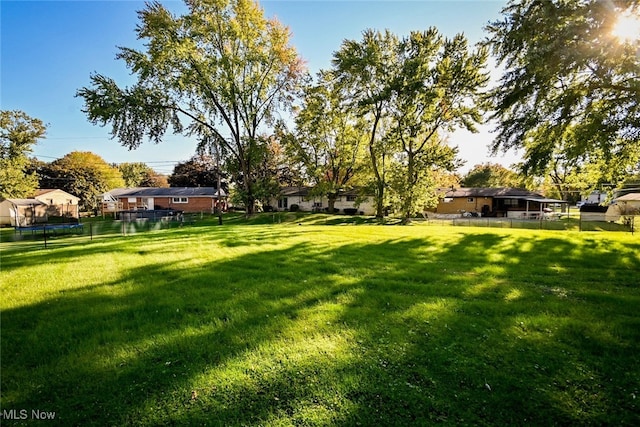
379, 117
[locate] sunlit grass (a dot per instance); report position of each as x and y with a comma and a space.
313, 324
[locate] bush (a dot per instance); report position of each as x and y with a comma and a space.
350, 211
335, 210
267, 208
294, 208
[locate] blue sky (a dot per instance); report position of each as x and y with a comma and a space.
50, 48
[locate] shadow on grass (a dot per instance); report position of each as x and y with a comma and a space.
482, 330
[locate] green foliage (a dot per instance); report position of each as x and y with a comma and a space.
492, 175
329, 140
18, 134
426, 86
141, 175
83, 174
570, 87
222, 69
366, 68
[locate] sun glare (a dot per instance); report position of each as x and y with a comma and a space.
627, 28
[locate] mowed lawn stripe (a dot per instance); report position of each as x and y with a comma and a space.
290, 324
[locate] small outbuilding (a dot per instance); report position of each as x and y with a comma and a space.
45, 204
22, 212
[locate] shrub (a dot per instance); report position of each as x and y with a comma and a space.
335, 210
350, 211
294, 208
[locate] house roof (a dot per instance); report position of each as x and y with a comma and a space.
635, 197
294, 191
497, 192
42, 191
25, 202
167, 192
304, 191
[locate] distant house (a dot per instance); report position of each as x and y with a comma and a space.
185, 199
45, 204
497, 202
629, 204
302, 198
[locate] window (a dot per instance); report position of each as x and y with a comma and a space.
351, 198
448, 200
131, 199
470, 200
180, 200
283, 203
317, 204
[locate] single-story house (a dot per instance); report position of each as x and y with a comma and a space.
301, 196
185, 199
44, 204
494, 202
629, 204
59, 202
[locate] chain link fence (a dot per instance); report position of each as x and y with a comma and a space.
585, 222
93, 229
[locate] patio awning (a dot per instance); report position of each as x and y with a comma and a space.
543, 200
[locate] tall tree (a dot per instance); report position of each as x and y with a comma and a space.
83, 174
365, 69
570, 86
438, 88
18, 134
329, 140
223, 69
413, 92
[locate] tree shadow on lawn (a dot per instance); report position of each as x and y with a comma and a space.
479, 331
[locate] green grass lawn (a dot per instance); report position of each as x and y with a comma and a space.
314, 324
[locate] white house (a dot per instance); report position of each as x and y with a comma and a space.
302, 198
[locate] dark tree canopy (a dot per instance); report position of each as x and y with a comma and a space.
570, 87
199, 171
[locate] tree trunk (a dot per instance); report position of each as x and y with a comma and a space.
379, 183
410, 184
331, 202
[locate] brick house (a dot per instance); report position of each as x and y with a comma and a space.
497, 202
185, 199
